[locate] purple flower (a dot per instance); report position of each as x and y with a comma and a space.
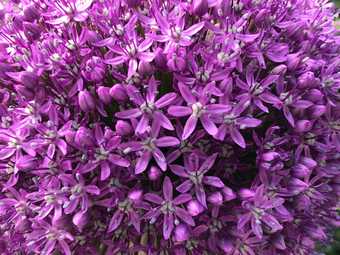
149, 108
199, 109
79, 193
104, 154
195, 175
231, 122
130, 207
175, 34
94, 69
149, 147
131, 52
259, 214
169, 207
45, 238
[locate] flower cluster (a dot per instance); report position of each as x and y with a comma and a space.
168, 126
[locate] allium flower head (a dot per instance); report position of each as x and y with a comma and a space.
168, 127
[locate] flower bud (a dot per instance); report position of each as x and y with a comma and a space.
160, 58
314, 95
145, 67
136, 195
104, 94
94, 69
293, 61
28, 94
280, 69
279, 242
246, 194
29, 79
309, 162
228, 194
118, 93
123, 128
154, 173
226, 246
132, 3
18, 22
32, 31
200, 7
302, 126
194, 208
86, 101
80, 219
306, 80
216, 198
270, 156
31, 13
181, 233
83, 137
317, 111
176, 63
300, 171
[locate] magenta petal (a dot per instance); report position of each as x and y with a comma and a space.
208, 125
105, 171
179, 111
49, 247
237, 137
165, 100
128, 114
179, 170
186, 93
146, 44
189, 127
62, 146
247, 122
163, 120
167, 189
272, 222
146, 56
167, 141
160, 158
217, 108
200, 195
6, 153
185, 186
256, 227
184, 216
115, 221
153, 198
213, 181
92, 189
143, 162
118, 160
168, 225
288, 116
142, 124
133, 64
193, 29
208, 163
182, 199
116, 61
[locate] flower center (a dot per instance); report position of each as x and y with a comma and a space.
229, 119
196, 177
176, 32
131, 49
101, 154
149, 144
197, 109
167, 207
147, 107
